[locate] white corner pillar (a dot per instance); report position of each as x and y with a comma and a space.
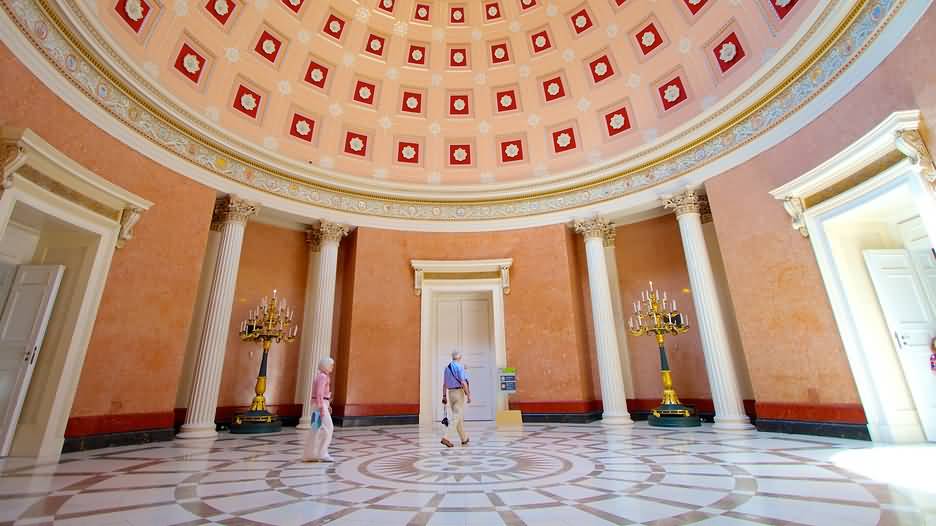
304, 378
617, 306
613, 396
323, 310
231, 213
722, 374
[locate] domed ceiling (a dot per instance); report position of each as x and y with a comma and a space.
450, 93
483, 112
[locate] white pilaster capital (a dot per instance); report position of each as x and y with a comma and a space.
232, 209
314, 239
688, 202
329, 231
911, 144
129, 217
596, 227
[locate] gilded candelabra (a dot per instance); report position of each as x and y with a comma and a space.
657, 316
271, 322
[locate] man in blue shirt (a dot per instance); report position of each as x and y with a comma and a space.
455, 388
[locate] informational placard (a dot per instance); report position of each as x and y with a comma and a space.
508, 380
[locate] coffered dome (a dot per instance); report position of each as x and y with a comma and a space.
450, 93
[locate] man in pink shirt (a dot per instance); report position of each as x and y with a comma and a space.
320, 436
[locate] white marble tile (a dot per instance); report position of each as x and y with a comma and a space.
638, 510
167, 515
374, 517
10, 509
358, 495
570, 492
103, 500
229, 488
247, 502
561, 516
698, 497
806, 512
136, 480
790, 471
816, 489
407, 498
294, 514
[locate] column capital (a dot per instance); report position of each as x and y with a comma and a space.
329, 231
598, 227
688, 202
232, 209
314, 239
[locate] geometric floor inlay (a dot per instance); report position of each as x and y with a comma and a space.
569, 475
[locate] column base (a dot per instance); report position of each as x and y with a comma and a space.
732, 423
197, 432
617, 420
305, 422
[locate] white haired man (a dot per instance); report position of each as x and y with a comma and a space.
320, 436
455, 388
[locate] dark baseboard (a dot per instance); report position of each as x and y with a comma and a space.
561, 418
641, 415
128, 438
825, 429
384, 420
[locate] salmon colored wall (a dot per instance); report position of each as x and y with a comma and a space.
545, 337
652, 251
272, 258
793, 349
138, 343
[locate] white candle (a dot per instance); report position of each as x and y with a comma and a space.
651, 285
674, 305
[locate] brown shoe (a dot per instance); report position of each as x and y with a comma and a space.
447, 443
465, 442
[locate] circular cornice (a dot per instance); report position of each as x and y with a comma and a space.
838, 36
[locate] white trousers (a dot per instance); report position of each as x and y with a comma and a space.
318, 440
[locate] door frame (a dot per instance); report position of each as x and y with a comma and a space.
462, 277
882, 388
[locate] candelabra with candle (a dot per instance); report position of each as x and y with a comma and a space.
271, 322
656, 315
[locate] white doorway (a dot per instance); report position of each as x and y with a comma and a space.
465, 321
462, 304
57, 216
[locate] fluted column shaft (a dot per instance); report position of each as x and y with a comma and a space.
231, 214
323, 310
722, 375
613, 396
304, 380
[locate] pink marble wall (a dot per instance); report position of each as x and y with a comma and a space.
791, 342
543, 316
652, 250
272, 258
137, 347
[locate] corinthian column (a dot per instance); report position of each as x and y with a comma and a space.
230, 217
323, 310
722, 375
613, 397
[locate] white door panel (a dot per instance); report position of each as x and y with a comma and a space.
22, 327
465, 324
908, 311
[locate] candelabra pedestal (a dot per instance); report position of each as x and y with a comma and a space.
670, 412
257, 419
269, 323
658, 321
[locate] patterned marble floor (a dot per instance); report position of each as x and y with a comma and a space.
578, 475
